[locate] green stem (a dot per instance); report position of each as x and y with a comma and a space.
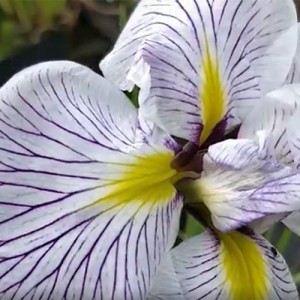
297, 278
193, 226
269, 234
123, 17
284, 240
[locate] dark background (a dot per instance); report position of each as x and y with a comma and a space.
79, 30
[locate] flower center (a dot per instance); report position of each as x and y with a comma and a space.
146, 179
212, 93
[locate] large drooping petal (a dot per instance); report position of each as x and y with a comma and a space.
87, 205
238, 185
230, 266
200, 62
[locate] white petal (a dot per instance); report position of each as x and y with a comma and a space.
238, 185
293, 222
278, 60
228, 266
294, 73
246, 154
276, 121
271, 121
116, 64
87, 206
207, 61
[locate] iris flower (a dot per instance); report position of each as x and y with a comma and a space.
214, 265
91, 189
88, 205
241, 171
275, 122
202, 65
201, 266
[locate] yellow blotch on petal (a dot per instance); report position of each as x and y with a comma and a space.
244, 265
212, 94
146, 180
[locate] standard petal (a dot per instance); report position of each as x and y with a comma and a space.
271, 121
294, 73
238, 185
275, 122
229, 266
201, 62
144, 21
219, 156
87, 206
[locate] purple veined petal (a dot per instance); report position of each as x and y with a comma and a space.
200, 62
271, 120
276, 121
294, 73
245, 155
144, 21
87, 205
275, 62
238, 185
224, 266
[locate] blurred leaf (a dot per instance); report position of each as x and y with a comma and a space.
7, 7
125, 9
49, 9
8, 34
122, 15
134, 96
283, 241
297, 278
192, 226
269, 234
24, 10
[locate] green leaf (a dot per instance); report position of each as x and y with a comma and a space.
283, 242
192, 226
7, 7
134, 96
24, 10
8, 37
297, 278
48, 9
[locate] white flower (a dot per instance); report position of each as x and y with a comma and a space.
232, 266
87, 203
202, 65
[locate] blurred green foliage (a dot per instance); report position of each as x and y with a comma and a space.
23, 21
